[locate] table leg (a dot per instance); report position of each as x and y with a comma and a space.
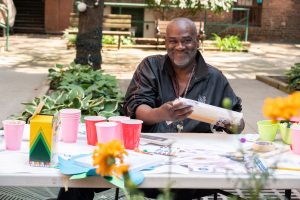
117, 194
288, 194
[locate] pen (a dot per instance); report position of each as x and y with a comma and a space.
285, 168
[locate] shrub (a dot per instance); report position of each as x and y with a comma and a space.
228, 43
293, 75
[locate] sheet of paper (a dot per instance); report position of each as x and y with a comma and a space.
164, 169
136, 161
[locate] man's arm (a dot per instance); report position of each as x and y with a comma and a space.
166, 112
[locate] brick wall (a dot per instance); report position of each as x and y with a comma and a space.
280, 22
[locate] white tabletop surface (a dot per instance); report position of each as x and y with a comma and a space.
15, 171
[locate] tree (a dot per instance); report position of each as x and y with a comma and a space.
88, 43
194, 5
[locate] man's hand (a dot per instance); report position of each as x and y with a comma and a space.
231, 128
174, 111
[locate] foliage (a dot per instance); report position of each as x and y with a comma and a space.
293, 75
256, 181
194, 5
79, 86
228, 43
109, 39
71, 38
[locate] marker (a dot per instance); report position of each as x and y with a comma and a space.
260, 165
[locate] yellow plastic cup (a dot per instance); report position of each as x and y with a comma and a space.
267, 130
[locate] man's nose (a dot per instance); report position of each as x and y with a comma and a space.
180, 45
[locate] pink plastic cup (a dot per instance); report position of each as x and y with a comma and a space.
90, 127
118, 120
295, 146
13, 134
69, 119
131, 133
106, 131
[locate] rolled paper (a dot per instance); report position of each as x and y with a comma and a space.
211, 114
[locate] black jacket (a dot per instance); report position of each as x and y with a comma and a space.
152, 85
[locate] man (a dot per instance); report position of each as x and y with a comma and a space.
182, 72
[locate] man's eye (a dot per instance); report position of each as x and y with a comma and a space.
189, 40
172, 41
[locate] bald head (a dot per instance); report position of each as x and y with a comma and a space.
183, 24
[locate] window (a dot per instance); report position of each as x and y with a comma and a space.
254, 14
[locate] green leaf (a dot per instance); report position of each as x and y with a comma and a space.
59, 66
76, 103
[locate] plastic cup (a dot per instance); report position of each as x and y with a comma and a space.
13, 134
69, 119
295, 146
285, 132
106, 131
267, 130
131, 133
91, 132
118, 120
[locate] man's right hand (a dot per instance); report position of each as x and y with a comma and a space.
170, 111
174, 111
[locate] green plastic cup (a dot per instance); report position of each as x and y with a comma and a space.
285, 133
267, 130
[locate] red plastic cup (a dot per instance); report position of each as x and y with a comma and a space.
90, 128
118, 120
106, 131
131, 133
13, 134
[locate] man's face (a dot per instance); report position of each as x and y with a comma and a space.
181, 45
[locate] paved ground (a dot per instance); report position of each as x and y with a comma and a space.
23, 70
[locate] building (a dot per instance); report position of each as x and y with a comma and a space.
269, 20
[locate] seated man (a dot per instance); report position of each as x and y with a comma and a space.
182, 72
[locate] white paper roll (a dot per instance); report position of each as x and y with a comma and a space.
211, 114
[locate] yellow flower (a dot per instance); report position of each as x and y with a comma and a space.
282, 108
109, 158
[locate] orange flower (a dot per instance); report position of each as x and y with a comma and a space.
280, 107
109, 158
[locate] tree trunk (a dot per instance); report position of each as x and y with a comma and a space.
89, 38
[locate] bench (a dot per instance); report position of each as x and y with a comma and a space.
115, 24
4, 22
161, 27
